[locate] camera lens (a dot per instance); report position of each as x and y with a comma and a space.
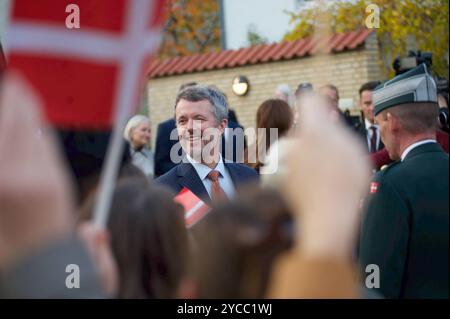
443, 117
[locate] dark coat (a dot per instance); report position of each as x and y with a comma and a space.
184, 175
406, 228
360, 129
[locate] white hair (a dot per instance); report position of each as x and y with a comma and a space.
285, 89
132, 124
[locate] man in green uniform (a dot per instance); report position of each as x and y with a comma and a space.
405, 226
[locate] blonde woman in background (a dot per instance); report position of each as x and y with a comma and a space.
138, 132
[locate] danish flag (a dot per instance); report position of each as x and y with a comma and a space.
373, 187
88, 77
194, 208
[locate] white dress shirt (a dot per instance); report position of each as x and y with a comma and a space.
414, 145
225, 180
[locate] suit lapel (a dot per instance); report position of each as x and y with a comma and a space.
188, 177
381, 145
234, 174
362, 131
222, 144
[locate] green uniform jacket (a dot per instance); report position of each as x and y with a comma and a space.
405, 228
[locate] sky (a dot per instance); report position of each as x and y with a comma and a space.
266, 15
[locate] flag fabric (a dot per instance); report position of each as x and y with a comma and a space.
88, 77
194, 208
373, 187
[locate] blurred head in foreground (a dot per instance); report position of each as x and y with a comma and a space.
148, 240
237, 243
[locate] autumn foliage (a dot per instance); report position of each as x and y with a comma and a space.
404, 25
192, 26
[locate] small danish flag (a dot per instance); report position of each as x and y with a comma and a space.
194, 208
373, 187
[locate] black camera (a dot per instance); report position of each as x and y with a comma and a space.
443, 119
404, 64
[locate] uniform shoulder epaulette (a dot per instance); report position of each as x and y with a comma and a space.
386, 168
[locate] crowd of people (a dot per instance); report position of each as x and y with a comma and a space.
325, 208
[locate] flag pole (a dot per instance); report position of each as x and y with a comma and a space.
111, 167
109, 176
137, 19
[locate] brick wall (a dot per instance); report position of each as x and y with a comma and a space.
347, 70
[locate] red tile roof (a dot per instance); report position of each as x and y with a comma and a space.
257, 54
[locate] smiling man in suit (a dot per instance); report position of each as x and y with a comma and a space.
368, 129
231, 142
201, 115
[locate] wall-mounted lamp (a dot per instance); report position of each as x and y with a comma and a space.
241, 85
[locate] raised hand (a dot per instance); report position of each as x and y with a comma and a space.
328, 176
36, 205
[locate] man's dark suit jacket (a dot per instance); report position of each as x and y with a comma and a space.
164, 144
184, 175
360, 129
237, 155
406, 226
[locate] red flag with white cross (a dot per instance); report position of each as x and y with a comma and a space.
194, 208
86, 58
373, 187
